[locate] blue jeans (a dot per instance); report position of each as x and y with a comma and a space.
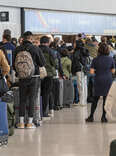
76, 98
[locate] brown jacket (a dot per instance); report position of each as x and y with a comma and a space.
4, 64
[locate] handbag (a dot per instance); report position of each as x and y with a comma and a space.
3, 85
43, 72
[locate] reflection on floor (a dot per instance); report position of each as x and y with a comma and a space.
65, 135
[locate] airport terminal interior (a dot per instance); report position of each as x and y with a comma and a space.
57, 78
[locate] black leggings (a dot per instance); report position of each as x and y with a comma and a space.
28, 89
94, 106
47, 95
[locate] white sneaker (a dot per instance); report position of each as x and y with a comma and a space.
46, 118
51, 114
76, 104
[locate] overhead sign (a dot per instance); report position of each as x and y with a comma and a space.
69, 23
4, 16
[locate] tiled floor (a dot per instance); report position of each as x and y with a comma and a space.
66, 135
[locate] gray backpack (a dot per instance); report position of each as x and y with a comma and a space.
24, 65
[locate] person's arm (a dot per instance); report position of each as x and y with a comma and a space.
92, 71
4, 64
113, 71
69, 66
40, 60
113, 67
60, 65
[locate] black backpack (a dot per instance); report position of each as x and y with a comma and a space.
85, 60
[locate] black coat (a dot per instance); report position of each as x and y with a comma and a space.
36, 53
79, 59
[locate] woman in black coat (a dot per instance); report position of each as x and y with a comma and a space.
103, 67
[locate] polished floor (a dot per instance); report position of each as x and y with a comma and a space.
65, 135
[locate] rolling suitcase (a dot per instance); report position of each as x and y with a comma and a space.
68, 93
83, 92
3, 124
113, 148
61, 93
56, 93
8, 98
11, 118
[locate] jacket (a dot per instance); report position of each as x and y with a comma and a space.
35, 53
57, 57
9, 46
79, 59
4, 64
66, 64
50, 61
93, 50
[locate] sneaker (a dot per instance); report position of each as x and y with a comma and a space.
51, 114
90, 119
76, 104
21, 126
46, 118
30, 126
104, 120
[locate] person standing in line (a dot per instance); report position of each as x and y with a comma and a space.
103, 40
103, 67
36, 41
8, 49
20, 40
28, 87
14, 41
6, 32
66, 63
79, 64
47, 82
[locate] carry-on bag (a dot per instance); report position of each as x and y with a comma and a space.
113, 148
68, 93
41, 108
3, 124
11, 118
9, 99
56, 93
83, 92
110, 105
61, 93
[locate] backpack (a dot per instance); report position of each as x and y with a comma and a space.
85, 60
24, 65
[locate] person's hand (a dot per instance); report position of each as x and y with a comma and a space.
64, 77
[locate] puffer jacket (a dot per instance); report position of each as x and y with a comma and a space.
4, 64
66, 65
50, 61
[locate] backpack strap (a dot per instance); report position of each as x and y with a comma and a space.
27, 47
